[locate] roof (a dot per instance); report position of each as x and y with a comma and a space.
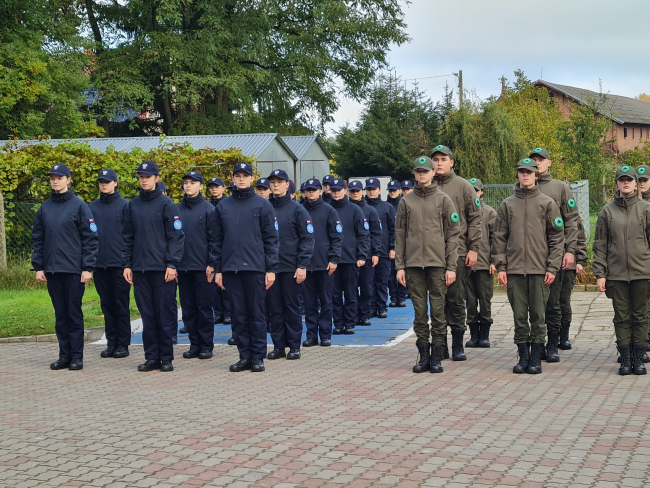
623, 110
300, 144
248, 144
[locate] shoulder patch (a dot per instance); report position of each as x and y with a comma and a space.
178, 225
366, 225
276, 224
93, 225
454, 217
477, 202
339, 227
571, 203
310, 227
558, 222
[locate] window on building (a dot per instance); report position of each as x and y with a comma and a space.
624, 132
632, 132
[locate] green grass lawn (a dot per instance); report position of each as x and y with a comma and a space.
30, 312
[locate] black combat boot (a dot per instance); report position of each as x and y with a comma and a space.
445, 348
484, 335
637, 360
524, 358
647, 346
535, 364
436, 358
564, 344
473, 336
183, 330
551, 349
625, 360
232, 341
337, 330
60, 364
457, 351
108, 352
277, 354
258, 366
241, 365
423, 357
121, 352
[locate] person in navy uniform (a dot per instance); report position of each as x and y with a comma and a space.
407, 187
367, 271
387, 217
327, 182
296, 250
173, 304
246, 260
113, 290
153, 249
355, 251
396, 290
64, 237
262, 188
292, 190
216, 189
328, 238
196, 271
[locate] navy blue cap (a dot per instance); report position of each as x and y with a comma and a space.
195, 175
243, 167
148, 168
372, 183
313, 184
216, 181
337, 184
394, 185
107, 175
60, 170
292, 187
162, 186
355, 185
302, 186
279, 173
232, 185
407, 184
328, 179
264, 183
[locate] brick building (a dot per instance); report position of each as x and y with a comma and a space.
631, 117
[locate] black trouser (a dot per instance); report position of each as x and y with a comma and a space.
318, 289
173, 308
380, 284
480, 289
220, 303
153, 295
247, 291
364, 299
196, 302
397, 291
66, 291
568, 282
455, 300
344, 295
630, 301
114, 296
553, 309
286, 317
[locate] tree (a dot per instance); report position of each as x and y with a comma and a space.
643, 97
396, 126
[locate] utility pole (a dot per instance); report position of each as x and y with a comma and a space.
460, 88
503, 85
3, 236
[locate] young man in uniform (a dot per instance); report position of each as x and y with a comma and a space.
113, 290
296, 249
426, 243
153, 248
246, 260
407, 187
355, 251
196, 271
327, 182
216, 189
387, 215
396, 290
563, 197
64, 236
643, 178
468, 207
328, 238
262, 188
367, 271
480, 279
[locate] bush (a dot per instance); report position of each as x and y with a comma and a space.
17, 276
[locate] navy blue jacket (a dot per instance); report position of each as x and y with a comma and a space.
394, 202
327, 198
387, 217
64, 235
296, 240
217, 201
327, 240
371, 217
108, 212
244, 234
197, 216
153, 233
356, 238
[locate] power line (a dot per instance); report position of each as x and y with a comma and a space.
430, 77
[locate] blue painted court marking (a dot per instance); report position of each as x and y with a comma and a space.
382, 332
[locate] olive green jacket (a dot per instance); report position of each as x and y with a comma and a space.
561, 193
426, 230
528, 234
468, 206
581, 248
621, 249
487, 236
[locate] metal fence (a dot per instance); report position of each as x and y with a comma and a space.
19, 221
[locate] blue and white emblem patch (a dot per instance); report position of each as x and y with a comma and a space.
339, 228
276, 224
93, 226
365, 224
310, 227
178, 225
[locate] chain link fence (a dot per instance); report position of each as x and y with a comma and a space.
18, 224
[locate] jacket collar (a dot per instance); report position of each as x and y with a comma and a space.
339, 203
446, 178
215, 201
394, 201
244, 194
192, 202
280, 201
373, 201
110, 197
150, 195
646, 195
427, 190
625, 202
520, 192
313, 205
545, 178
62, 197
361, 203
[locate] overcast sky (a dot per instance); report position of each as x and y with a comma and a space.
574, 42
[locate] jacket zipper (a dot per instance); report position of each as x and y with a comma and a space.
424, 223
627, 251
526, 234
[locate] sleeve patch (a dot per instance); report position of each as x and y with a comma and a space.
454, 217
558, 222
571, 203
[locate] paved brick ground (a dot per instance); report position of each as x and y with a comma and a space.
341, 416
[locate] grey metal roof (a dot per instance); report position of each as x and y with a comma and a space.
300, 144
623, 110
248, 144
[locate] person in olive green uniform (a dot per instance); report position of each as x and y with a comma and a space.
480, 280
527, 250
468, 207
621, 257
426, 256
643, 179
560, 192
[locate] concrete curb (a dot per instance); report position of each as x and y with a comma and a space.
90, 335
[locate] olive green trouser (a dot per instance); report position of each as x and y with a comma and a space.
568, 282
480, 289
528, 295
428, 283
553, 308
455, 302
648, 319
630, 301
